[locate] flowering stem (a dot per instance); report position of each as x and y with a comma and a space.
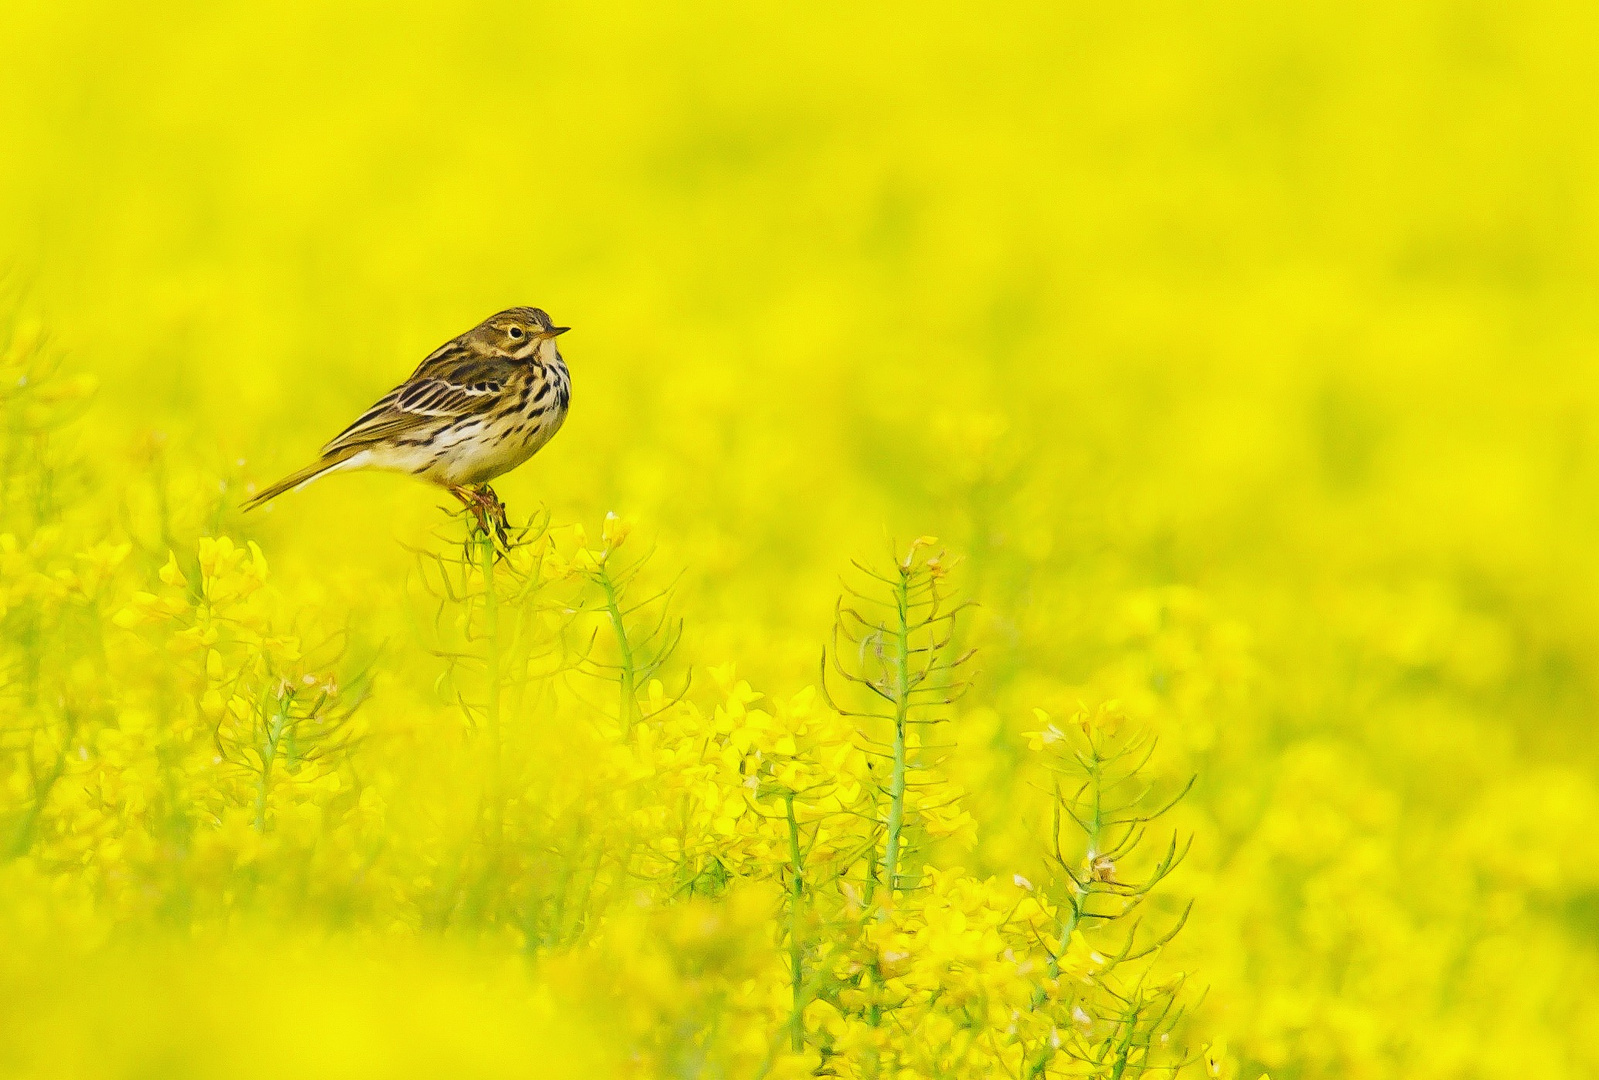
1095, 826
869, 886
896, 784
269, 753
627, 708
491, 631
22, 841
796, 954
1072, 913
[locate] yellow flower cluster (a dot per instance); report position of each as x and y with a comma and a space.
872, 875
713, 876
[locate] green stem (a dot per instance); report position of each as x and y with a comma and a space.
796, 953
869, 886
22, 840
269, 753
627, 707
1075, 910
896, 784
491, 665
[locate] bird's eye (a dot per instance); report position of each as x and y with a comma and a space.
515, 332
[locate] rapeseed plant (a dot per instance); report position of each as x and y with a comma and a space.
753, 874
1239, 360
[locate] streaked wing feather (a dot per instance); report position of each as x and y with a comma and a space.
435, 397
421, 402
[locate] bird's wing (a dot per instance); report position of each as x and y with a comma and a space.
444, 360
420, 403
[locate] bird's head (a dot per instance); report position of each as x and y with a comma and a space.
520, 332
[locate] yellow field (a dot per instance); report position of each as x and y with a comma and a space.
1239, 357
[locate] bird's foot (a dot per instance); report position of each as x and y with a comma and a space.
488, 512
494, 509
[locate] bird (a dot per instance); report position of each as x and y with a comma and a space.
477, 407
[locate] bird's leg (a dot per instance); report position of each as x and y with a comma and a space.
473, 500
496, 511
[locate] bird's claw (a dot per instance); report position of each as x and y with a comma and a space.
493, 510
489, 515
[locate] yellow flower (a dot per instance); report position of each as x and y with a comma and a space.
171, 574
1217, 1062
614, 531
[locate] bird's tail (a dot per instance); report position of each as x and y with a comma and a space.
295, 480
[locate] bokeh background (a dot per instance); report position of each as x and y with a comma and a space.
1242, 353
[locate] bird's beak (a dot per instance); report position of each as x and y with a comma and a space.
556, 331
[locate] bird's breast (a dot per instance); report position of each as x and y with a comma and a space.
530, 411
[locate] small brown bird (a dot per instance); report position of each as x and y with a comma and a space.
477, 407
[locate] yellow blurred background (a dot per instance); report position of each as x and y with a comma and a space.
1243, 354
